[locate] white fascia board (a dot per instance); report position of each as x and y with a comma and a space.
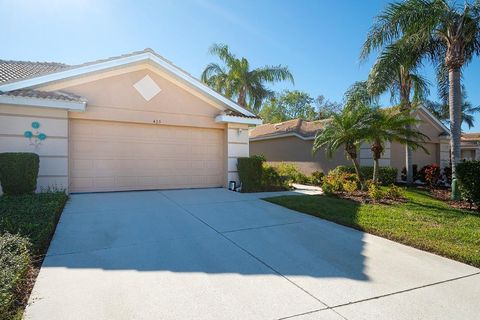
285, 135
43, 103
95, 67
222, 118
438, 122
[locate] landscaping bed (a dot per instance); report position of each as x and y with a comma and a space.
27, 224
421, 221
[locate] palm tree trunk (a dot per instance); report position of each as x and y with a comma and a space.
455, 104
409, 161
242, 97
375, 170
356, 165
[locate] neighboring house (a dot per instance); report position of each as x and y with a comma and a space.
131, 122
470, 146
292, 141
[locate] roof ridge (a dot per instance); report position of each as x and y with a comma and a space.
34, 62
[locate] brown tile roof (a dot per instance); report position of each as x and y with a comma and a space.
238, 114
11, 71
472, 136
301, 127
51, 95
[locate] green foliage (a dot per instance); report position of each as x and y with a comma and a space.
317, 178
18, 172
272, 180
336, 181
386, 175
32, 216
14, 264
375, 192
250, 173
394, 192
468, 173
292, 173
350, 186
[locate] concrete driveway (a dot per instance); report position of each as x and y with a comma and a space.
216, 254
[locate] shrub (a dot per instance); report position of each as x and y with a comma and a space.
350, 186
291, 173
18, 172
271, 180
431, 174
336, 181
394, 192
250, 173
14, 264
317, 178
468, 174
375, 192
386, 175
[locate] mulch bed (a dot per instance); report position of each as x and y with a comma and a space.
363, 197
445, 195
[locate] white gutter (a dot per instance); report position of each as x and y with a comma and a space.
42, 102
222, 118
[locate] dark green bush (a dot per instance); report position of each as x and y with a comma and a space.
386, 175
292, 173
18, 172
272, 180
32, 216
468, 174
317, 178
250, 173
14, 265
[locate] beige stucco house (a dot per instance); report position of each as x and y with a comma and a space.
131, 122
292, 141
470, 146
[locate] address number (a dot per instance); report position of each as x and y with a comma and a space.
157, 121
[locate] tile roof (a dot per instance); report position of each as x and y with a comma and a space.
234, 113
306, 129
51, 95
11, 71
472, 136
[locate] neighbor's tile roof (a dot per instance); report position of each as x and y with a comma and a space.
472, 136
11, 71
301, 127
52, 95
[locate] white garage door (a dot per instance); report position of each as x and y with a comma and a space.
114, 156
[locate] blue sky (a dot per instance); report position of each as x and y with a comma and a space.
318, 40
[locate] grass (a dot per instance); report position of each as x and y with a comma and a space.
27, 224
422, 222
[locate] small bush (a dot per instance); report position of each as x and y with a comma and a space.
468, 174
18, 172
386, 175
271, 180
317, 178
336, 181
291, 173
14, 264
431, 174
350, 186
394, 192
250, 173
375, 192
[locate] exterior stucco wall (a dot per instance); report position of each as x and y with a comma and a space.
237, 144
420, 158
297, 151
53, 151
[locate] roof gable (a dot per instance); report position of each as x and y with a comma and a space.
147, 55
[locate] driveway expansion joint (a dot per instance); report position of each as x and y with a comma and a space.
262, 227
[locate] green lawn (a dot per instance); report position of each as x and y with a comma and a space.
27, 224
422, 222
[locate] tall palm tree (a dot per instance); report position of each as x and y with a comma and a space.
396, 70
236, 79
450, 36
392, 125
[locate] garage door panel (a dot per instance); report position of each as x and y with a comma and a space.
110, 156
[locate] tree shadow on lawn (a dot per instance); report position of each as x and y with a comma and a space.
306, 247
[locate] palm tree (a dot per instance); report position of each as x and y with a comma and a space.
349, 128
395, 70
392, 125
236, 80
448, 34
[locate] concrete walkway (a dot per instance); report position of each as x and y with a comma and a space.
216, 254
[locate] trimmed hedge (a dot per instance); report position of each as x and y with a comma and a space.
386, 175
18, 172
250, 173
468, 174
14, 265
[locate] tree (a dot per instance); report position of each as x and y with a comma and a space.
349, 128
235, 79
441, 110
389, 125
289, 105
327, 108
449, 36
396, 71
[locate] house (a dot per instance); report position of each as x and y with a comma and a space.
470, 146
131, 122
291, 141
